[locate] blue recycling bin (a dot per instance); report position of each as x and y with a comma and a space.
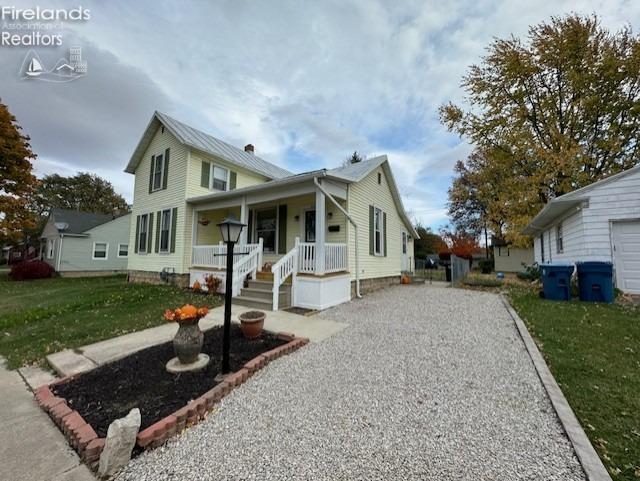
556, 281
595, 281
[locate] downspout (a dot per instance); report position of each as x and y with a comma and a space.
355, 227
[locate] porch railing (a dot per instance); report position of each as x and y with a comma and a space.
215, 255
306, 257
285, 267
248, 264
335, 257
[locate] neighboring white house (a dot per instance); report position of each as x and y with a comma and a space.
83, 243
324, 231
600, 222
508, 258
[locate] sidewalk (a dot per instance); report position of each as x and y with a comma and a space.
31, 446
72, 361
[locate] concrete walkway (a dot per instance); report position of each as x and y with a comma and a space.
73, 361
31, 446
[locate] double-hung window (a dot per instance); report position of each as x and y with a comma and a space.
100, 250
559, 239
158, 172
142, 237
123, 250
220, 177
378, 231
165, 230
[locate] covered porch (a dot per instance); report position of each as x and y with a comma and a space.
291, 233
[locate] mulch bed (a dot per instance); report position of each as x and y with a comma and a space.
141, 380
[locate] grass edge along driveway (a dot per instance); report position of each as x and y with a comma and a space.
593, 351
44, 316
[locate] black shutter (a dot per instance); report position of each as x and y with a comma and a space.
165, 176
159, 213
250, 228
149, 232
174, 221
372, 233
137, 234
205, 171
233, 177
153, 164
282, 229
384, 232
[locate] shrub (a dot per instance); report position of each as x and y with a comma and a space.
27, 270
531, 273
486, 266
213, 283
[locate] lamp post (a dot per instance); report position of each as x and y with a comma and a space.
230, 229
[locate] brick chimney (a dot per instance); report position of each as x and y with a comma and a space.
248, 148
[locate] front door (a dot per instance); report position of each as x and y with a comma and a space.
626, 245
309, 225
266, 223
405, 257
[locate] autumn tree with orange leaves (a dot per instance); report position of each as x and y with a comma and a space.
17, 182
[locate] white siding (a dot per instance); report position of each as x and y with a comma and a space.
572, 232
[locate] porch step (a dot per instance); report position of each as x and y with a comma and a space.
259, 295
268, 276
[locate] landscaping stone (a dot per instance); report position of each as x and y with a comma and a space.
174, 365
121, 437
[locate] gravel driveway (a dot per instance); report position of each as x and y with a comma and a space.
425, 383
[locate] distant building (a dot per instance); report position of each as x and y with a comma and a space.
508, 258
75, 58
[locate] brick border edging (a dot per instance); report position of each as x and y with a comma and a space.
83, 438
591, 463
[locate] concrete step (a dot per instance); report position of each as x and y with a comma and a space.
267, 285
266, 294
254, 302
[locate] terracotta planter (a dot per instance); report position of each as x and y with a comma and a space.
251, 323
187, 342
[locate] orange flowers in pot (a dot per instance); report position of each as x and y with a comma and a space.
186, 314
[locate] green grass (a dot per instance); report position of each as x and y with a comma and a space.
593, 350
45, 316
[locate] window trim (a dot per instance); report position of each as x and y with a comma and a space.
51, 250
168, 248
559, 239
381, 230
142, 249
118, 251
106, 251
155, 168
542, 247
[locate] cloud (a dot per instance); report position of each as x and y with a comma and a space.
307, 84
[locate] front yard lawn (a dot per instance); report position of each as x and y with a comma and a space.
593, 350
45, 316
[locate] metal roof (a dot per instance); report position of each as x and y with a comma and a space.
206, 143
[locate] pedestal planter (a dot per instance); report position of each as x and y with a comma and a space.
251, 323
187, 342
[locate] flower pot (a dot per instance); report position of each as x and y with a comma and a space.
187, 342
251, 323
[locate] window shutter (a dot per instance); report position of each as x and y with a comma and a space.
384, 232
174, 219
153, 162
250, 228
149, 233
137, 234
372, 234
159, 214
233, 177
165, 176
282, 229
205, 171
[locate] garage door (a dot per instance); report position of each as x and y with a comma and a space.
626, 244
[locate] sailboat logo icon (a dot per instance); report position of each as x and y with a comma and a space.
65, 70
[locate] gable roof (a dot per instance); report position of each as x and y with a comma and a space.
78, 222
572, 200
198, 140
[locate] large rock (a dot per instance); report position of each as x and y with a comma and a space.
121, 437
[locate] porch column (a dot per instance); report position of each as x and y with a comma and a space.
244, 218
320, 229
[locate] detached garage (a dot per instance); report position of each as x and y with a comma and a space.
600, 222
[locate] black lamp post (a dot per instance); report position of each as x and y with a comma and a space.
230, 229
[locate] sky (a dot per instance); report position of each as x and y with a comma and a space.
306, 82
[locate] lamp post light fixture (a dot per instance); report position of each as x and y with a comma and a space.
230, 228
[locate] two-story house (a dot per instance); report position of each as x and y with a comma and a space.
311, 240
